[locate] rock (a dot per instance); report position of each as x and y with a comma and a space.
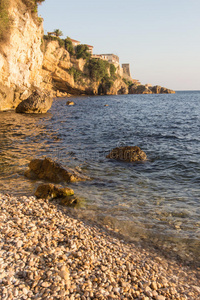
38, 102
50, 190
64, 273
6, 97
70, 103
70, 201
47, 169
122, 91
139, 89
127, 153
147, 89
160, 297
161, 90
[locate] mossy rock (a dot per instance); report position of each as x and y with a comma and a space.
51, 191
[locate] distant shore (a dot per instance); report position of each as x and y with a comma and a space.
46, 254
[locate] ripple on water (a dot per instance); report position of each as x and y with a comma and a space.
156, 201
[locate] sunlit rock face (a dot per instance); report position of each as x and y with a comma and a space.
21, 57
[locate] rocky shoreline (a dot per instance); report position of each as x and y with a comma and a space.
47, 254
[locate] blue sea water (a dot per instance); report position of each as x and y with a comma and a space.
156, 201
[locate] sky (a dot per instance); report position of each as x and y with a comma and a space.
159, 38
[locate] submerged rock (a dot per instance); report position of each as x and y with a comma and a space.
47, 169
70, 201
127, 153
50, 190
38, 102
70, 103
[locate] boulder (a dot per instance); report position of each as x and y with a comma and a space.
38, 102
47, 169
50, 190
127, 153
70, 103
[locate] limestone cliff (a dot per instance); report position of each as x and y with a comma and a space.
63, 73
27, 61
20, 57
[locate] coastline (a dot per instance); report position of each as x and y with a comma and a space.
48, 254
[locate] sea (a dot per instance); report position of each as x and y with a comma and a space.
155, 202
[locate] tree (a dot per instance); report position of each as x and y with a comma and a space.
68, 46
82, 51
98, 69
58, 32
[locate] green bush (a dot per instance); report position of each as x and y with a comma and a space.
112, 70
32, 4
129, 83
82, 51
76, 74
68, 46
98, 69
54, 38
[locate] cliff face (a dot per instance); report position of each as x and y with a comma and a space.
27, 62
66, 74
20, 58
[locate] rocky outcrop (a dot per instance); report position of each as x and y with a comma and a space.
38, 102
161, 90
21, 57
127, 154
139, 89
145, 89
49, 170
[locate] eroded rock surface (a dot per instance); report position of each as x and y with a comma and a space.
38, 102
49, 170
127, 153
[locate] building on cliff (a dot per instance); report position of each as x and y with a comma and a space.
75, 43
111, 58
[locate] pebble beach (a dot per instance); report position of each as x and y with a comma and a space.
47, 254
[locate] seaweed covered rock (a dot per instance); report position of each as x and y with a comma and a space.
127, 154
50, 190
49, 170
38, 102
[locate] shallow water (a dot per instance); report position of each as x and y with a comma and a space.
157, 200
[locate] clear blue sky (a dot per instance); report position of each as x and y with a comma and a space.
159, 38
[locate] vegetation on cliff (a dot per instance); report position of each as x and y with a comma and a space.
32, 4
5, 21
